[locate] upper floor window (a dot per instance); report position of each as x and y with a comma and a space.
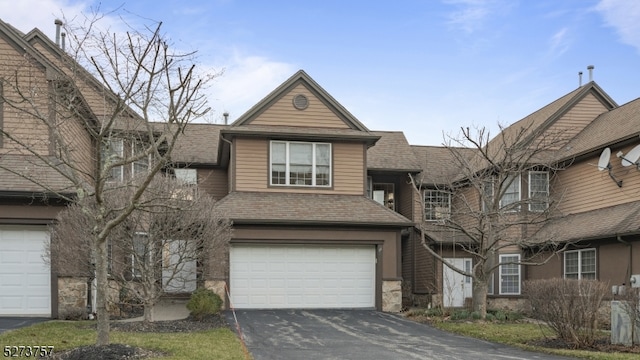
510, 274
113, 151
141, 165
538, 190
300, 163
580, 264
437, 205
511, 195
186, 176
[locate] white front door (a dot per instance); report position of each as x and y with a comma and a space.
179, 267
302, 276
455, 286
25, 278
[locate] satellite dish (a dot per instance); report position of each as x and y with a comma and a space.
632, 157
604, 163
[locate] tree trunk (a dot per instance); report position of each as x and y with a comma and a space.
480, 297
102, 269
148, 310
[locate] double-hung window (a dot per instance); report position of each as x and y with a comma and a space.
113, 151
141, 165
300, 163
437, 205
510, 274
538, 190
580, 264
511, 193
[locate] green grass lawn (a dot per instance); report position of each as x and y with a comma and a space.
518, 334
65, 335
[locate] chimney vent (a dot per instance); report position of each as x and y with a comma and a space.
58, 23
579, 78
226, 117
63, 36
590, 68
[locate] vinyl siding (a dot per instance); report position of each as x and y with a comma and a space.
579, 116
581, 187
30, 77
252, 168
282, 112
213, 182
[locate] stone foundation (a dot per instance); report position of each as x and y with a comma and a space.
218, 287
72, 297
515, 304
391, 296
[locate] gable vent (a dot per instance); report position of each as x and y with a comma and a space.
300, 102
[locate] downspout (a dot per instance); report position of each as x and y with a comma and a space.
628, 275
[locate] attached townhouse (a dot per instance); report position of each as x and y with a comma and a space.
324, 213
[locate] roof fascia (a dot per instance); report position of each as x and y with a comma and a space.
19, 43
303, 78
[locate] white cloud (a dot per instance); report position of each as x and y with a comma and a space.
28, 14
559, 43
622, 15
471, 15
245, 81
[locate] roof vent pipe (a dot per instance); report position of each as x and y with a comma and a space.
579, 78
58, 23
63, 36
590, 68
226, 117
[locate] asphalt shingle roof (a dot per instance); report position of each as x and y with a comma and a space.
198, 144
296, 208
392, 152
30, 167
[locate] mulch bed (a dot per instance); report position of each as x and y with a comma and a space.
121, 351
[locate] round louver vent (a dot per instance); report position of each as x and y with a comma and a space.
300, 102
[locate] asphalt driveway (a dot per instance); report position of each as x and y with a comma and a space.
10, 323
359, 334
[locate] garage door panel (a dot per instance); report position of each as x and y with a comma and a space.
302, 276
25, 279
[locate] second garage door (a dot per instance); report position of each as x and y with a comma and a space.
284, 276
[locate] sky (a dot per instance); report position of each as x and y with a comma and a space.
424, 67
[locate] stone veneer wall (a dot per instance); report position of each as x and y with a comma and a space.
72, 296
218, 287
391, 295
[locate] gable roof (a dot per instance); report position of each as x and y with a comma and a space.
537, 122
301, 78
308, 209
392, 153
615, 126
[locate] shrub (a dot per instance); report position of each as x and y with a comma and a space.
204, 302
73, 313
569, 307
460, 315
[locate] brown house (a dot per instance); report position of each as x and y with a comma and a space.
324, 213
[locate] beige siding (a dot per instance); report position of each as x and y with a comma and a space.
21, 71
575, 120
581, 187
316, 114
252, 168
213, 182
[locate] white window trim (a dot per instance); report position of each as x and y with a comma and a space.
518, 181
500, 291
445, 216
530, 191
288, 163
580, 252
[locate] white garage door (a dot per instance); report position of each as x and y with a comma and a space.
267, 277
25, 279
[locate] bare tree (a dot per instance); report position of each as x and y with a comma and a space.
484, 216
77, 123
164, 245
